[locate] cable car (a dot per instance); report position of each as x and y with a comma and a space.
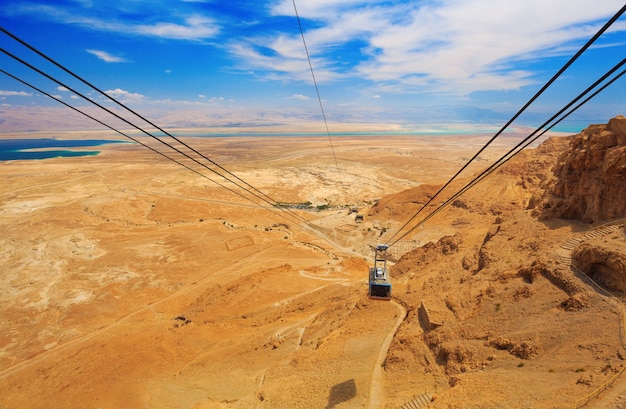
379, 283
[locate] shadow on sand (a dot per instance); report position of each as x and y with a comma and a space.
341, 392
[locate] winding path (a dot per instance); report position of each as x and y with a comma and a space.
376, 398
564, 252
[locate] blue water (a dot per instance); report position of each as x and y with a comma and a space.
27, 149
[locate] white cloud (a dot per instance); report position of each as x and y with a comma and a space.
452, 46
318, 8
201, 96
172, 26
195, 27
15, 94
125, 96
287, 62
106, 57
300, 97
62, 89
173, 104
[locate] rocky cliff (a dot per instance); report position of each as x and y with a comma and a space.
590, 176
496, 297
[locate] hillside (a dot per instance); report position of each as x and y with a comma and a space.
496, 318
129, 282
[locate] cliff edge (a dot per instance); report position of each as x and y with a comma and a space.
589, 181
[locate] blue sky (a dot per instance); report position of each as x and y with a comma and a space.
412, 63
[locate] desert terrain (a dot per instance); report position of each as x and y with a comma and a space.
129, 281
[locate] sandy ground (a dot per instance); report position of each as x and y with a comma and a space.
131, 282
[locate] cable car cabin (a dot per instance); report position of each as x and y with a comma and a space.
379, 283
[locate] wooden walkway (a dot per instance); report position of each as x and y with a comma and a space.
421, 401
570, 244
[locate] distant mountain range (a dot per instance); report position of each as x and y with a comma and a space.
288, 119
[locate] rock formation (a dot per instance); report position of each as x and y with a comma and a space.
493, 299
604, 262
590, 176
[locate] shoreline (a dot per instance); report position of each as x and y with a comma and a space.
206, 133
107, 141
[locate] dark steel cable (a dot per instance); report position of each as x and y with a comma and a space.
490, 170
524, 143
267, 199
147, 133
541, 91
319, 98
120, 132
